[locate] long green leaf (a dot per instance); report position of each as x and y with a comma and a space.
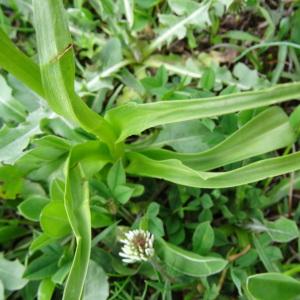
77, 207
268, 131
84, 160
175, 171
17, 63
57, 65
133, 118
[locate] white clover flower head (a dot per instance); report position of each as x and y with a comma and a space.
138, 246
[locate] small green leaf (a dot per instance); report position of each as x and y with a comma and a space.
247, 77
54, 220
116, 175
122, 193
208, 79
32, 206
62, 273
282, 230
153, 210
11, 232
40, 242
100, 217
203, 238
263, 256
42, 267
11, 182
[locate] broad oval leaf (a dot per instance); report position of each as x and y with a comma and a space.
54, 220
32, 206
187, 262
270, 286
282, 230
203, 238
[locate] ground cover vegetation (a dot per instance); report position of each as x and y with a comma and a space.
149, 149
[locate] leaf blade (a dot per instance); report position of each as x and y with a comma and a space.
132, 118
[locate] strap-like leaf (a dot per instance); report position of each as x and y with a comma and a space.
175, 171
57, 65
133, 118
84, 160
268, 131
17, 63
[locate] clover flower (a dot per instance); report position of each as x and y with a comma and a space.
138, 246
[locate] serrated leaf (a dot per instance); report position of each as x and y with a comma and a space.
96, 285
10, 109
181, 7
14, 140
172, 31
